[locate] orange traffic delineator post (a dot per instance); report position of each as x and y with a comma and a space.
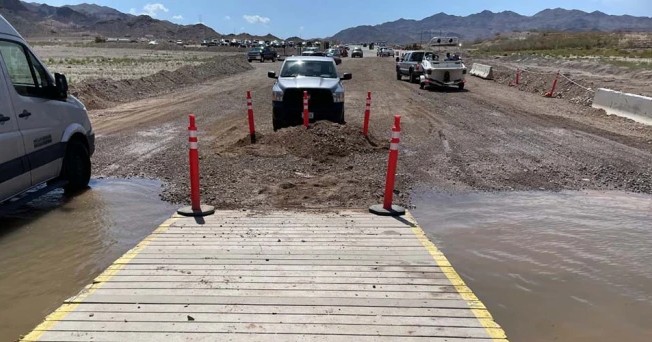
517, 78
306, 113
195, 208
387, 208
367, 113
250, 115
551, 93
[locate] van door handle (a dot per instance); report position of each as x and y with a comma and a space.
24, 114
4, 118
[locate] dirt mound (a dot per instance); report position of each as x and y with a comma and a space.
104, 93
324, 140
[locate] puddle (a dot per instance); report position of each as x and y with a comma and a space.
570, 266
55, 245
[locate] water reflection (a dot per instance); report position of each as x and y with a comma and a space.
570, 266
52, 247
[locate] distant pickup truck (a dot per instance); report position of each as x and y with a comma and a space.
410, 65
262, 53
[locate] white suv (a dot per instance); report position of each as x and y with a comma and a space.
45, 134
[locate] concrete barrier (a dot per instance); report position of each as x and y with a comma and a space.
632, 106
482, 71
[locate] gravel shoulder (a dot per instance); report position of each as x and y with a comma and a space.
491, 137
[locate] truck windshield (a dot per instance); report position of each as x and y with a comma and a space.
324, 69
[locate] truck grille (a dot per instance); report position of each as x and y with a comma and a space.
320, 100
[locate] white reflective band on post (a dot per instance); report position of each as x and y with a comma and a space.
193, 145
249, 106
193, 133
396, 135
393, 147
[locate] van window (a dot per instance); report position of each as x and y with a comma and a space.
27, 75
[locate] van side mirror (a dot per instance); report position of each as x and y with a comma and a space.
61, 85
272, 74
338, 61
346, 76
398, 59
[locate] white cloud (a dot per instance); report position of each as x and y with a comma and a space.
177, 17
228, 17
151, 10
256, 19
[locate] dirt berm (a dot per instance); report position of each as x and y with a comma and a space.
105, 93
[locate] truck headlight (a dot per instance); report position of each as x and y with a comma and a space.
277, 96
338, 97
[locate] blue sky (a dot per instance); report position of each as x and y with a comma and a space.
320, 18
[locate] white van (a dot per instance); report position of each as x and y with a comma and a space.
45, 134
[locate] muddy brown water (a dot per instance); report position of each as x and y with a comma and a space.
55, 245
569, 266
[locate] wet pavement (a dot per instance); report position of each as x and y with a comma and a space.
569, 266
55, 245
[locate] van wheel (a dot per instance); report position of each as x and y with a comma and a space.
412, 79
460, 86
398, 75
76, 167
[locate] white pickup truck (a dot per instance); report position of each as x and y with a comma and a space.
45, 134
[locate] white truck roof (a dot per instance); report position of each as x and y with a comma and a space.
6, 28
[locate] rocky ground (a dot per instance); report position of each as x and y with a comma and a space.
579, 77
491, 137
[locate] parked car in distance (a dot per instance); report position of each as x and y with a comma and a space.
45, 134
385, 52
357, 52
262, 53
335, 54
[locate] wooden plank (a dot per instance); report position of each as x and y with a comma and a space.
203, 284
273, 250
436, 280
307, 245
273, 328
271, 309
60, 336
272, 261
266, 267
261, 255
295, 233
244, 273
219, 292
278, 300
274, 318
299, 250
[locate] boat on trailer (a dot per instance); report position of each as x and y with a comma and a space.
442, 64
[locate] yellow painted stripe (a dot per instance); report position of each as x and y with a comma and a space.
71, 303
479, 310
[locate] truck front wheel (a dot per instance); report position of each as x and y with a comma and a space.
278, 123
76, 166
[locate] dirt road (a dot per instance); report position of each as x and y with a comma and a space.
491, 137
